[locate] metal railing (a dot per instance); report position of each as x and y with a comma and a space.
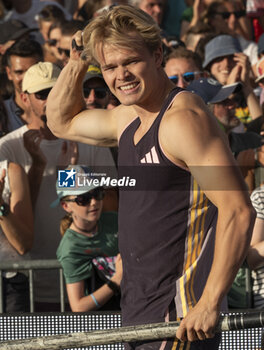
30, 266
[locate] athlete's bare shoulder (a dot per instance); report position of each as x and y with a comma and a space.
124, 116
188, 125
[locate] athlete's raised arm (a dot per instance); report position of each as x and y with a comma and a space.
66, 114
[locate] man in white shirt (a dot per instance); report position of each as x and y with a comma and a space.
40, 153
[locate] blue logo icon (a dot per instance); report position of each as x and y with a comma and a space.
66, 178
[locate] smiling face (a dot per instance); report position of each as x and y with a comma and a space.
17, 68
221, 68
130, 73
84, 216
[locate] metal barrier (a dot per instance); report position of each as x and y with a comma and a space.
29, 266
23, 326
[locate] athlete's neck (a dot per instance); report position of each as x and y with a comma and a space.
149, 109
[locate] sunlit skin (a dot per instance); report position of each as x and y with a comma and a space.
179, 66
221, 68
130, 73
84, 217
18, 67
155, 8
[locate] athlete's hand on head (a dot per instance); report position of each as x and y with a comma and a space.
199, 323
77, 45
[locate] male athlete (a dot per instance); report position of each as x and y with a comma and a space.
186, 227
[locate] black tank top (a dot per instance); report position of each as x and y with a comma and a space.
166, 233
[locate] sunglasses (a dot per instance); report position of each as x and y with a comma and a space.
188, 77
52, 42
226, 14
65, 51
99, 92
43, 94
85, 199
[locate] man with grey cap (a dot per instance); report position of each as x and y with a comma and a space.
40, 153
226, 62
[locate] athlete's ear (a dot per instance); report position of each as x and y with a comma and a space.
158, 54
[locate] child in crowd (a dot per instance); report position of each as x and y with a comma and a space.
88, 249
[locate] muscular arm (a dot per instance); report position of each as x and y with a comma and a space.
66, 114
18, 224
194, 139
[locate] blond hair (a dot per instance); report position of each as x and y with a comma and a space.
118, 27
65, 223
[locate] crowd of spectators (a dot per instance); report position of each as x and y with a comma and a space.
212, 48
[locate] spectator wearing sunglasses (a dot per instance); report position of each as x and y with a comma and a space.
97, 95
54, 36
183, 66
46, 17
49, 15
89, 237
41, 153
95, 90
68, 28
229, 17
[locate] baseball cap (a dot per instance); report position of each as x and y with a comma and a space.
73, 181
93, 72
260, 69
261, 44
13, 29
40, 76
220, 46
211, 91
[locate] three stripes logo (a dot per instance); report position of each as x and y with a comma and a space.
150, 157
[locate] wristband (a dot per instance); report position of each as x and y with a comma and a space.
95, 301
115, 288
